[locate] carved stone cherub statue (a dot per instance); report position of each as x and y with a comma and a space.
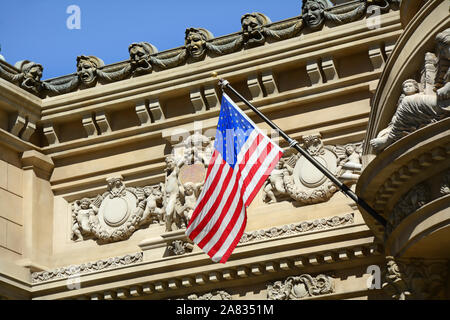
274, 185
313, 13
191, 194
195, 42
84, 216
198, 149
172, 192
153, 211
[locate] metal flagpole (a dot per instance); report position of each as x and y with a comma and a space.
294, 144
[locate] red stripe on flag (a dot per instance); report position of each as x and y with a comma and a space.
213, 208
208, 192
263, 179
228, 228
224, 212
236, 240
255, 167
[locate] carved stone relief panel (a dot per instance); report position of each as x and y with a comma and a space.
421, 104
298, 179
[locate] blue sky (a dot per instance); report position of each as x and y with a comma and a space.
36, 29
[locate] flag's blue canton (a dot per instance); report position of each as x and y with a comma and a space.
232, 132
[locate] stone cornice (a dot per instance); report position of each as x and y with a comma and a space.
268, 259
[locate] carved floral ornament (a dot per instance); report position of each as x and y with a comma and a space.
299, 287
256, 30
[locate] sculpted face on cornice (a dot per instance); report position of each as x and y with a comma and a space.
257, 29
299, 287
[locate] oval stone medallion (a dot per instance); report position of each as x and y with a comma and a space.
115, 211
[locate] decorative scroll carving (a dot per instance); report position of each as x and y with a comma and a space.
179, 247
413, 200
299, 287
415, 279
298, 179
76, 270
292, 229
417, 109
214, 295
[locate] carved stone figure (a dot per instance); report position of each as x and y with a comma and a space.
295, 288
140, 57
195, 42
349, 163
87, 69
84, 215
252, 28
154, 211
313, 13
29, 77
197, 149
172, 194
190, 196
274, 185
417, 110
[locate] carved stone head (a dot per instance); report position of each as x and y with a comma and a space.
189, 188
312, 11
32, 73
85, 203
313, 144
443, 44
195, 42
115, 184
140, 55
252, 27
87, 68
410, 87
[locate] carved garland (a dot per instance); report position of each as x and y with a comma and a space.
300, 287
76, 270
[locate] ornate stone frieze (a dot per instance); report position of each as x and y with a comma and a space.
419, 106
256, 30
298, 179
298, 228
299, 287
415, 279
214, 295
76, 270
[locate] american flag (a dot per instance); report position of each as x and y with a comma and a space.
242, 160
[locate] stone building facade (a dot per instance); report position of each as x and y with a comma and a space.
100, 169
